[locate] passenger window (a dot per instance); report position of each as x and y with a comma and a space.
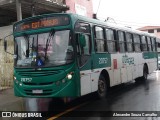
111, 41
153, 44
99, 39
149, 44
121, 41
144, 43
87, 46
129, 42
137, 43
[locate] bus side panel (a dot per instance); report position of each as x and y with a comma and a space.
151, 59
116, 65
85, 82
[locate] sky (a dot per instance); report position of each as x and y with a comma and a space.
131, 13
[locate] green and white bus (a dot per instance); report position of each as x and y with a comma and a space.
158, 51
67, 55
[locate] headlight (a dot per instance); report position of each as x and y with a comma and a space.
58, 83
69, 76
14, 78
20, 84
63, 81
16, 81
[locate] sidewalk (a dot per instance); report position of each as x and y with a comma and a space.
8, 102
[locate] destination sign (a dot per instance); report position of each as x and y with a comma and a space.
42, 22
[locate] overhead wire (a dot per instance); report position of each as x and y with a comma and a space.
128, 23
98, 6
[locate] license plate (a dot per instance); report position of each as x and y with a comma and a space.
37, 91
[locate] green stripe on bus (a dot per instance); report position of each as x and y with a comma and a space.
102, 60
149, 55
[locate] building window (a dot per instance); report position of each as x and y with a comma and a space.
100, 41
158, 30
151, 31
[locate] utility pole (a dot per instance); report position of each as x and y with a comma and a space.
33, 9
19, 10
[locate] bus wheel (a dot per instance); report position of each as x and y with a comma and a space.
145, 73
144, 77
102, 87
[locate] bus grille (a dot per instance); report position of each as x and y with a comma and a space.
46, 83
37, 73
45, 92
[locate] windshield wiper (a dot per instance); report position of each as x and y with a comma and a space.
48, 41
26, 37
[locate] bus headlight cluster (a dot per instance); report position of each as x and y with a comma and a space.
15, 79
63, 81
17, 82
69, 76
20, 84
59, 82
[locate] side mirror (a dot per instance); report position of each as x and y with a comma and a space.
6, 40
82, 40
5, 45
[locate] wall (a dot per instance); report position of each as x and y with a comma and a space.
6, 30
85, 3
6, 60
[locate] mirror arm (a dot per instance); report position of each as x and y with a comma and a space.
5, 44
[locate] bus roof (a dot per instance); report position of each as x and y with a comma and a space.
117, 27
89, 20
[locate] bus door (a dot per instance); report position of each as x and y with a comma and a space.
84, 62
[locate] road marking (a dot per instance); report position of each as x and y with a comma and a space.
67, 111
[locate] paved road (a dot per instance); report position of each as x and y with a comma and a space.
128, 97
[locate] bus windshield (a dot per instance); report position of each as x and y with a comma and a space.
46, 49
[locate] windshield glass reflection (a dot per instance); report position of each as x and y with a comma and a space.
46, 49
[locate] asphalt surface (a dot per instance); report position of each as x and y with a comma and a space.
127, 98
131, 98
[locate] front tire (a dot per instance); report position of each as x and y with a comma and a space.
102, 87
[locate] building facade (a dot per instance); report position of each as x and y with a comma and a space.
14, 10
151, 29
81, 7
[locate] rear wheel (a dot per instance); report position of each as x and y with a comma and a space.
102, 87
145, 73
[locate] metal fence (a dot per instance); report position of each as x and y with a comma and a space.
6, 66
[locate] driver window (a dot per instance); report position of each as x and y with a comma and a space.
86, 49
83, 51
